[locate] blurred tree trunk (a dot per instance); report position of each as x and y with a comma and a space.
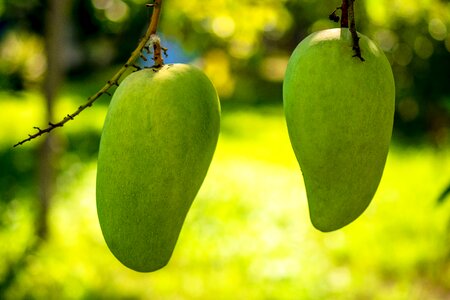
56, 26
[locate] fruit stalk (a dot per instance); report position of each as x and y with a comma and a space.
114, 81
344, 15
348, 13
355, 38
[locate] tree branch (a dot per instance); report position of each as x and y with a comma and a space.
114, 81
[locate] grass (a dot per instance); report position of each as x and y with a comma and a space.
248, 234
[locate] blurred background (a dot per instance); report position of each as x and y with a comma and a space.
248, 234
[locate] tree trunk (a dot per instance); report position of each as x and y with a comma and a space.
56, 24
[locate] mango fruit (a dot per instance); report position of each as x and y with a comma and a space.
158, 140
339, 114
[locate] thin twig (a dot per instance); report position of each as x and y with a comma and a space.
333, 16
355, 37
114, 80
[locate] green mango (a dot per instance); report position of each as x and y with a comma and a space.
158, 140
339, 113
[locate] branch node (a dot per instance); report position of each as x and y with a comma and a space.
143, 57
164, 49
333, 16
136, 67
113, 82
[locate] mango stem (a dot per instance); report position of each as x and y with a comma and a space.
351, 16
154, 39
348, 14
344, 14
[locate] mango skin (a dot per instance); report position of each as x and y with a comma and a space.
157, 143
339, 113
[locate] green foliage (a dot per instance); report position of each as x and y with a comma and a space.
244, 46
247, 235
339, 112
